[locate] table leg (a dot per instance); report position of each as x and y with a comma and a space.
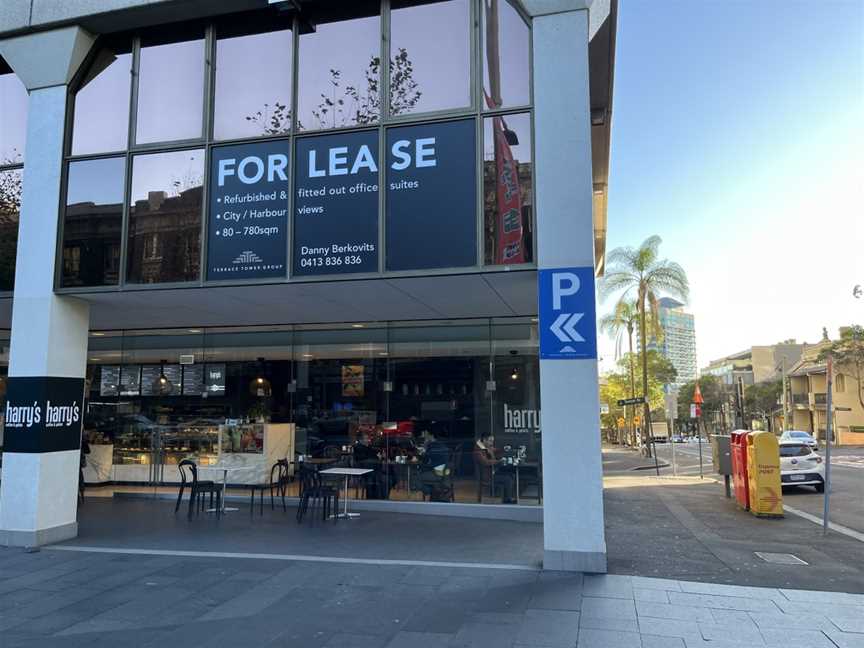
517, 484
345, 514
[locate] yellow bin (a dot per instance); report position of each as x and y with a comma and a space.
763, 475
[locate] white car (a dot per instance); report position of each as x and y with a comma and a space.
801, 466
799, 436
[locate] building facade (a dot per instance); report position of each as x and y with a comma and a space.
757, 364
678, 344
270, 245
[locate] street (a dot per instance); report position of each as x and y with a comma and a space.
847, 476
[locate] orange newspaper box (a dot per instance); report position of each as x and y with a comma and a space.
763, 470
738, 445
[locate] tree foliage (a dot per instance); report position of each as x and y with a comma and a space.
848, 352
761, 399
712, 393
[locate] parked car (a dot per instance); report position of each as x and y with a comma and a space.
801, 466
677, 439
799, 436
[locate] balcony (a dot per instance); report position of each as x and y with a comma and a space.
800, 399
820, 399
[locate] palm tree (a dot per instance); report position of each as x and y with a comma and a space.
622, 320
640, 270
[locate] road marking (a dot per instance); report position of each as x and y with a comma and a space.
293, 557
815, 519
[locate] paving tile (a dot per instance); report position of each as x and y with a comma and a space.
620, 624
608, 586
650, 641
780, 621
803, 608
653, 595
664, 584
350, 640
686, 630
722, 589
559, 594
505, 598
420, 640
553, 628
589, 638
824, 597
795, 638
722, 602
608, 608
846, 639
848, 624
668, 611
735, 618
443, 615
482, 635
745, 634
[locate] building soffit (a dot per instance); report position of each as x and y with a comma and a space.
61, 52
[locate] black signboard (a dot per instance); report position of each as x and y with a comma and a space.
193, 380
431, 196
151, 385
336, 204
638, 400
43, 414
214, 379
130, 380
109, 381
247, 220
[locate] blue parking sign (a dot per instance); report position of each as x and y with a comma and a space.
568, 326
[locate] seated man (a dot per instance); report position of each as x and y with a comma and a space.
435, 470
488, 463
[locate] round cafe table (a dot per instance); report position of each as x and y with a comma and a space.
225, 470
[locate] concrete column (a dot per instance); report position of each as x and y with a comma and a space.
573, 533
48, 353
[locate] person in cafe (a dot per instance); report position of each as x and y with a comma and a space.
376, 483
435, 469
491, 470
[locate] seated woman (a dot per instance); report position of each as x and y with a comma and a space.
488, 464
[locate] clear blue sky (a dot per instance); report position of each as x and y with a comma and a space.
737, 137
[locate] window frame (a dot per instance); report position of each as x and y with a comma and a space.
476, 111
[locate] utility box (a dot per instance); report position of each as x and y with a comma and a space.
738, 444
763, 470
721, 451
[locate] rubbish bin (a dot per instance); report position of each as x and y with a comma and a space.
721, 455
763, 470
738, 443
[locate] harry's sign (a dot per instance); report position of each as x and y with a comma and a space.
43, 414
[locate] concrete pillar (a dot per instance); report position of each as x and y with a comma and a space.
573, 533
48, 353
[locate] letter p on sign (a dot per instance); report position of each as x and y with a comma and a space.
564, 284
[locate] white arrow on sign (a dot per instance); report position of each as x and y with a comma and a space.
564, 327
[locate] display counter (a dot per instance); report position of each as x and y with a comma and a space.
99, 468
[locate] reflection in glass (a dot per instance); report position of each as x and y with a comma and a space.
102, 106
429, 73
170, 92
506, 45
92, 222
508, 172
253, 104
10, 207
13, 119
165, 217
339, 75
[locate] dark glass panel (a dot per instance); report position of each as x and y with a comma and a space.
430, 60
339, 74
508, 178
170, 92
13, 119
101, 121
506, 56
10, 206
253, 104
93, 222
165, 217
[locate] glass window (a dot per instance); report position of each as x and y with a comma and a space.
101, 121
339, 74
508, 176
92, 222
252, 105
10, 206
170, 92
506, 55
165, 217
430, 62
13, 119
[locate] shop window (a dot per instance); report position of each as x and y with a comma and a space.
101, 115
10, 207
253, 104
170, 91
430, 61
508, 178
165, 217
339, 70
13, 119
93, 221
506, 44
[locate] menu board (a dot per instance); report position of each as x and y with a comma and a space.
336, 204
130, 380
247, 222
431, 196
214, 379
193, 380
150, 384
109, 381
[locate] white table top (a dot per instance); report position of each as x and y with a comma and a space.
351, 472
224, 468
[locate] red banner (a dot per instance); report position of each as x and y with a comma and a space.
511, 243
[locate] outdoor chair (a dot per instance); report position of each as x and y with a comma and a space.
313, 492
198, 488
277, 485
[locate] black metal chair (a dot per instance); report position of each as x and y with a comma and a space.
277, 485
198, 488
314, 492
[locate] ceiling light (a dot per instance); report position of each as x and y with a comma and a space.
358, 325
97, 334
194, 330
